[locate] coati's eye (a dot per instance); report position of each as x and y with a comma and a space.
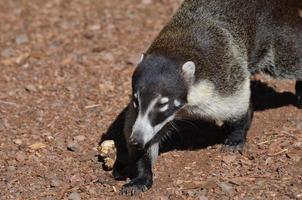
177, 103
164, 100
164, 106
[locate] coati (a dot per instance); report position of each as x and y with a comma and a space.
199, 66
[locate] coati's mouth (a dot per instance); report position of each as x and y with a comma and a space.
140, 137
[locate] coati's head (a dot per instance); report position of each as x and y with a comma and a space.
160, 87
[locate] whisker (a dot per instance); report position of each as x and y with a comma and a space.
174, 126
189, 122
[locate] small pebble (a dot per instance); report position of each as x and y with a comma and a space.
21, 39
20, 156
73, 146
47, 198
17, 141
107, 56
75, 179
74, 196
229, 159
30, 88
55, 182
8, 52
95, 27
161, 198
203, 198
55, 44
133, 60
79, 138
2, 125
92, 191
11, 168
226, 187
147, 2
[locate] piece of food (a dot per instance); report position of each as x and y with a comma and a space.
107, 153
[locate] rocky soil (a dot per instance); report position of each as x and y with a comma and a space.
65, 74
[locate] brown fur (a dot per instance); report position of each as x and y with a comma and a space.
224, 38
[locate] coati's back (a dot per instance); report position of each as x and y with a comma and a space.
262, 31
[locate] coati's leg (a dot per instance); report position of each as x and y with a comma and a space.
122, 169
299, 93
144, 177
139, 160
237, 131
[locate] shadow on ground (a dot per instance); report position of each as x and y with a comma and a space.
265, 97
192, 135
199, 134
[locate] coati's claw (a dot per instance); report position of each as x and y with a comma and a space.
134, 188
233, 149
233, 146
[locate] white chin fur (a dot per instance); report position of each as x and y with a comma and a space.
204, 101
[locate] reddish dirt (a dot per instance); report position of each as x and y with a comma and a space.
65, 74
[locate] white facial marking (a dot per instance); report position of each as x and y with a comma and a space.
134, 105
164, 108
135, 95
142, 124
164, 100
177, 103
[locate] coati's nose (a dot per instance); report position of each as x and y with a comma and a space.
136, 142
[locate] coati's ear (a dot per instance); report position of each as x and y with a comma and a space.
141, 58
188, 70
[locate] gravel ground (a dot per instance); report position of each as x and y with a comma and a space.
65, 74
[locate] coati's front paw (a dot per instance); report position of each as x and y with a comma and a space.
233, 145
136, 186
